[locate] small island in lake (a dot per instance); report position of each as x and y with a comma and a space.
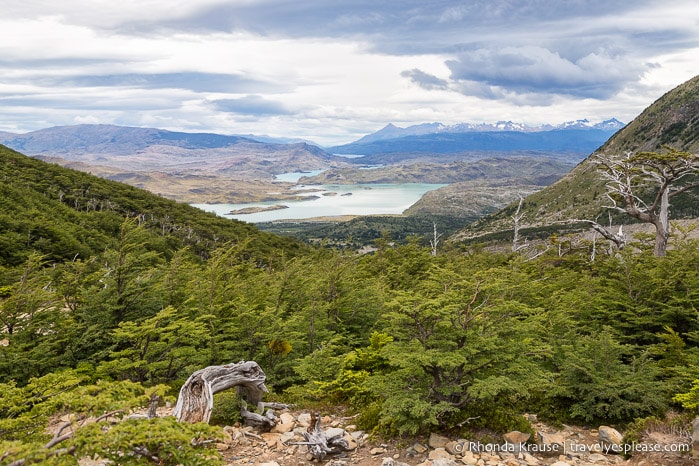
254, 210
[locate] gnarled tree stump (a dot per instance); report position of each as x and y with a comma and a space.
196, 399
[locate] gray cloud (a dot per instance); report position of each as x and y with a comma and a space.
250, 105
532, 69
193, 81
425, 80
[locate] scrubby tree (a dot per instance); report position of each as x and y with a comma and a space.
642, 185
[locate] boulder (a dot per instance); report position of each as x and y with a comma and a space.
420, 448
610, 439
550, 445
273, 440
304, 419
334, 432
437, 441
516, 437
439, 454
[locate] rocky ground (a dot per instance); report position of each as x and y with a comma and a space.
570, 446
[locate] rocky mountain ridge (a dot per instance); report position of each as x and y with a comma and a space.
672, 120
391, 131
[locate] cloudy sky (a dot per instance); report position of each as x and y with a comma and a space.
334, 70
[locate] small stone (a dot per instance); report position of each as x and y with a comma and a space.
437, 441
439, 453
350, 428
222, 446
561, 463
283, 427
456, 447
516, 437
271, 463
529, 459
550, 445
377, 451
467, 457
597, 458
271, 439
286, 417
304, 419
334, 432
352, 443
392, 462
419, 448
287, 437
610, 439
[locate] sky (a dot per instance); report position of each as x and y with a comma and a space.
331, 71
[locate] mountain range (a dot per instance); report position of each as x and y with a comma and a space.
672, 120
214, 168
390, 131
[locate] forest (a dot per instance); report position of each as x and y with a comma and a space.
109, 295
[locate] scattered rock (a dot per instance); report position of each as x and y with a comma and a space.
516, 437
273, 440
437, 441
377, 451
420, 448
610, 439
439, 454
334, 432
392, 462
304, 419
550, 444
456, 447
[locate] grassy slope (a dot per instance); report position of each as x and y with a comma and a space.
61, 212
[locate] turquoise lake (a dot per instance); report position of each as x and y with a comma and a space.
357, 199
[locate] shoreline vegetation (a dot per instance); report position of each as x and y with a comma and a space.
254, 210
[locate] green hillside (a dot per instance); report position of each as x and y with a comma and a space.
673, 120
63, 214
112, 297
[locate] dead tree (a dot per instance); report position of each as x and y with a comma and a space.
435, 239
196, 399
516, 219
632, 177
319, 444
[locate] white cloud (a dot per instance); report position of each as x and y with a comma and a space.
333, 71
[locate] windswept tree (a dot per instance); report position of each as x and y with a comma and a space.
642, 185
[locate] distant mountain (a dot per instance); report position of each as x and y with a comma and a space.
390, 131
150, 149
578, 137
671, 120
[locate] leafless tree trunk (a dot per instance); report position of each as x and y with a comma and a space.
629, 175
196, 399
516, 218
435, 239
318, 443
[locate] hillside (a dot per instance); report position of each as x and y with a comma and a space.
205, 167
672, 120
111, 297
539, 170
63, 213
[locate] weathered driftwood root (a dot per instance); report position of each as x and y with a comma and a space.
319, 444
196, 399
